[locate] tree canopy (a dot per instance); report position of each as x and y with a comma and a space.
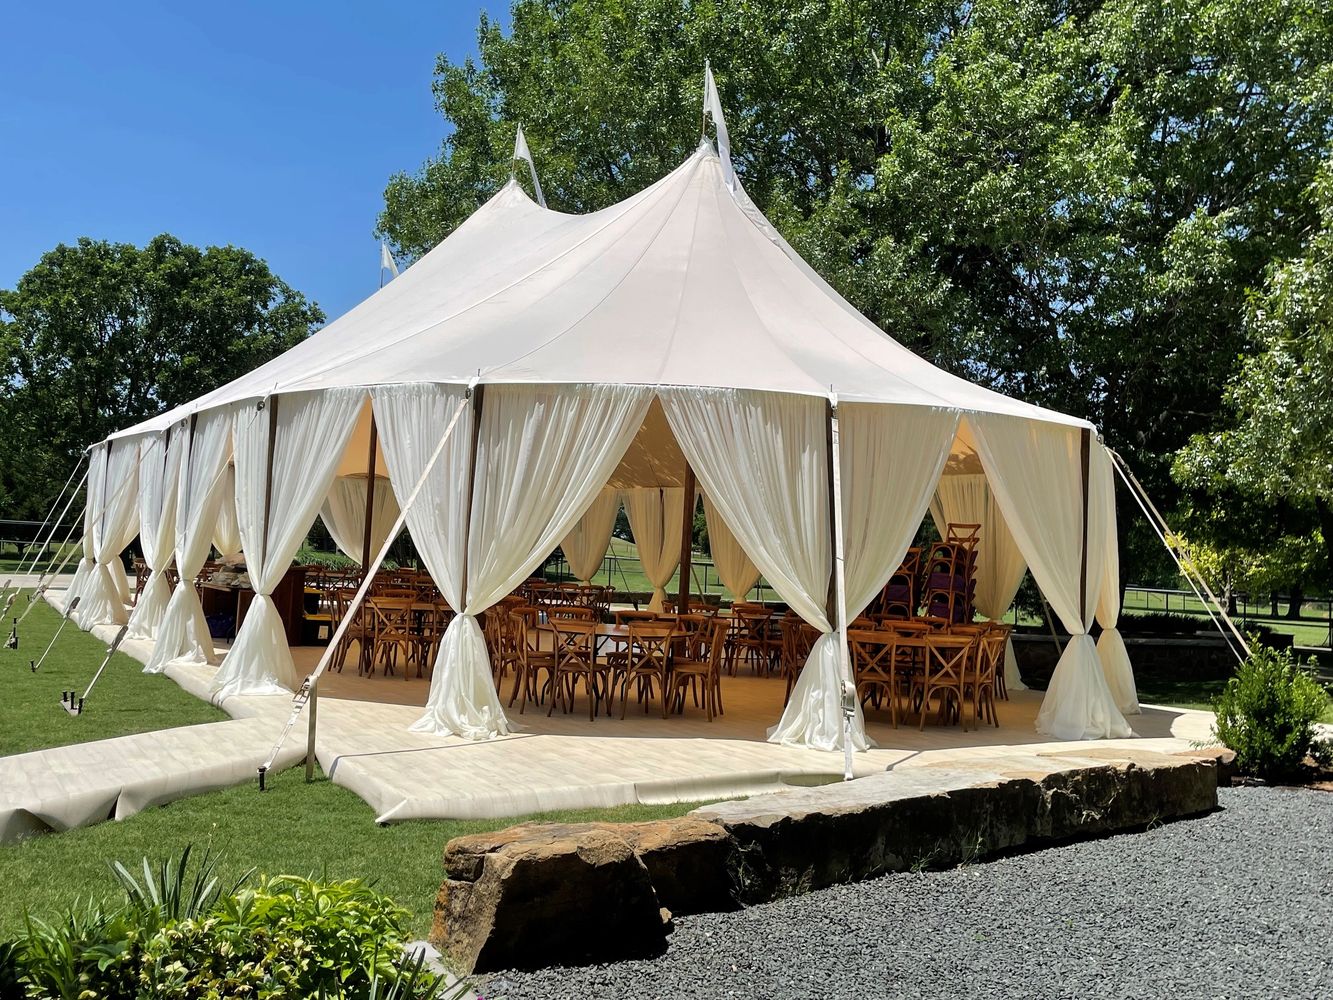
1067, 200
100, 335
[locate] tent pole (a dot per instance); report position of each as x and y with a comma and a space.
272, 404
837, 603
477, 393
1085, 458
370, 494
686, 542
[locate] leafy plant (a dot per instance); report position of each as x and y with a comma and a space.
1267, 714
178, 934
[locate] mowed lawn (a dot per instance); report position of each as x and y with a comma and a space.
293, 828
125, 700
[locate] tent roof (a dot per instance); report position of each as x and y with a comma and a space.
684, 283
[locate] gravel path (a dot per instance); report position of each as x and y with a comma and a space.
1236, 904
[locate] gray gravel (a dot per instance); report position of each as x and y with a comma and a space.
1235, 904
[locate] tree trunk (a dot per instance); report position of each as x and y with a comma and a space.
1294, 602
1325, 514
1229, 592
1272, 601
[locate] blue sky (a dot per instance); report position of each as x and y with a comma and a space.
273, 126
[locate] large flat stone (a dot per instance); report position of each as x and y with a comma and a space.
540, 894
545, 894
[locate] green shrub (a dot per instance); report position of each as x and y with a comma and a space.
176, 935
1267, 715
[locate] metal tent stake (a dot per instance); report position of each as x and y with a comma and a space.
76, 708
36, 665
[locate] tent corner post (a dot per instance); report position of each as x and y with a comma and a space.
370, 494
837, 599
686, 541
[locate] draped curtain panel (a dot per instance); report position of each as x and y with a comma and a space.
586, 544
411, 420
1110, 645
763, 461
968, 499
115, 524
890, 458
226, 530
159, 465
310, 430
1034, 470
183, 634
543, 452
344, 514
92, 505
735, 569
656, 517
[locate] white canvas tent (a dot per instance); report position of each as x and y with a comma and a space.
574, 354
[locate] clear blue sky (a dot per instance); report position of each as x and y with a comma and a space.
272, 126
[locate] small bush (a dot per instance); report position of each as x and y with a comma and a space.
1267, 715
176, 935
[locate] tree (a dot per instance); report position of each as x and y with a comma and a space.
100, 335
1278, 448
1064, 200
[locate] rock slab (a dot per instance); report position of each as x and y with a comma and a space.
565, 894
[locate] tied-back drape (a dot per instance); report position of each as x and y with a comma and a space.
762, 458
92, 506
114, 525
226, 532
411, 420
1110, 645
344, 514
183, 632
542, 454
890, 458
1000, 566
276, 502
656, 518
159, 465
585, 545
735, 569
1034, 469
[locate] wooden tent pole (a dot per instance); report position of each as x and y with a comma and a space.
686, 542
1085, 459
370, 495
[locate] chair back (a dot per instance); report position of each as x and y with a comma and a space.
571, 612
574, 643
650, 646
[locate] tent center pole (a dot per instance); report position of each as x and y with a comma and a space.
370, 495
1085, 458
837, 593
686, 542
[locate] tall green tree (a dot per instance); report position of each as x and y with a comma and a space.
1278, 450
1065, 199
100, 335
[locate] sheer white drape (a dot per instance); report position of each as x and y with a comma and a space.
344, 514
312, 429
92, 507
226, 530
585, 545
183, 632
656, 517
1110, 645
967, 499
762, 459
890, 459
1035, 471
542, 453
735, 569
105, 596
411, 419
159, 465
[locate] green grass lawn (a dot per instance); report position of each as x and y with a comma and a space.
294, 828
126, 700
